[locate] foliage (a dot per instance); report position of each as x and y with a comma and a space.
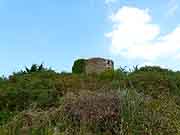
152, 69
79, 66
155, 81
143, 101
35, 68
122, 112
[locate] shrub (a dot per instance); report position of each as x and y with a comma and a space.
153, 83
99, 112
152, 69
79, 66
107, 75
5, 117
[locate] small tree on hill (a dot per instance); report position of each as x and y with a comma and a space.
35, 68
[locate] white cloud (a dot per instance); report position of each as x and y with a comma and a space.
110, 1
134, 36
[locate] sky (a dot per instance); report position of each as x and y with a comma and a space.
57, 32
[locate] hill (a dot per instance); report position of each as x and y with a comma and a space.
40, 101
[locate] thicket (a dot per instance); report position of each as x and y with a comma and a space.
142, 101
79, 66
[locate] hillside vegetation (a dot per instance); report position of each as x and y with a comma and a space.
40, 101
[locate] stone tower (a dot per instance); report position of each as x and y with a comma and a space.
98, 65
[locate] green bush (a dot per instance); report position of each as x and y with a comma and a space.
152, 69
79, 66
123, 112
5, 116
107, 75
22, 90
153, 83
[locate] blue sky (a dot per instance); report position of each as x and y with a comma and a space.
56, 32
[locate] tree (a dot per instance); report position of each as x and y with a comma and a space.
35, 68
41, 67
